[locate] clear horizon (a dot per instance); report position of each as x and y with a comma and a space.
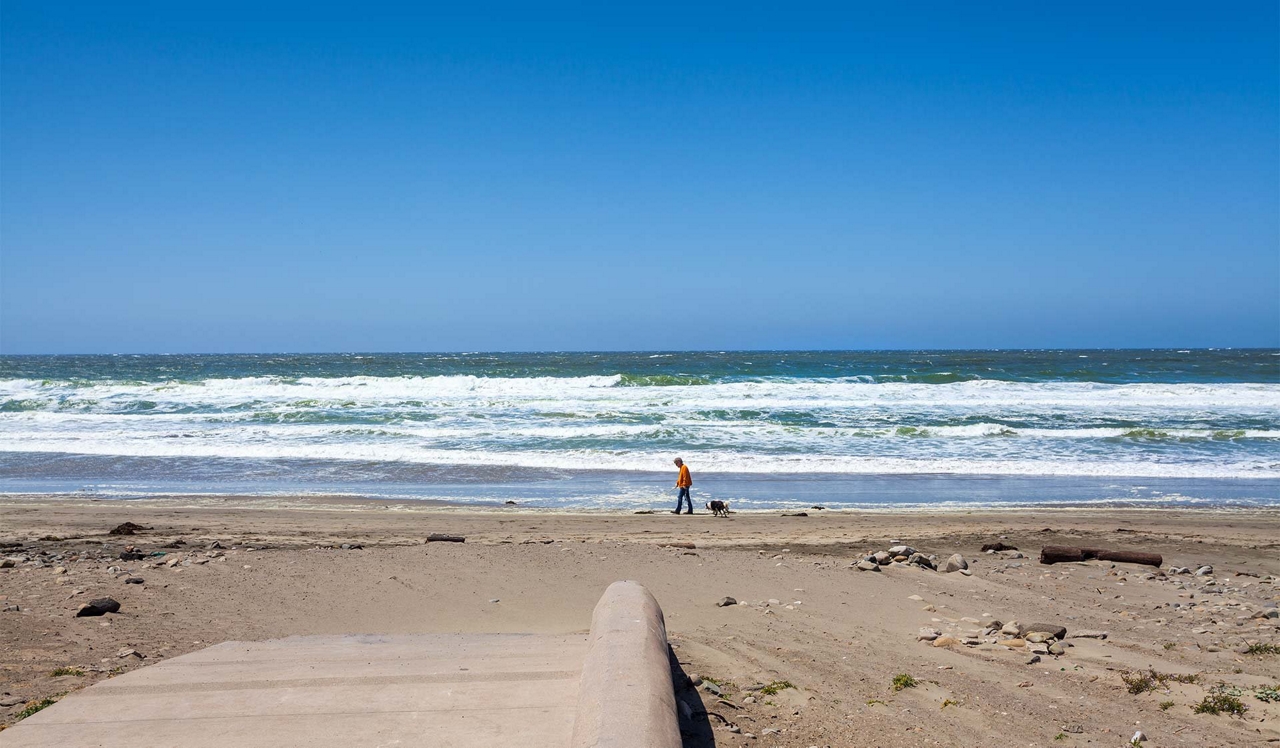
291, 178
645, 350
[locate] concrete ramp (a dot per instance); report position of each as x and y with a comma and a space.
609, 689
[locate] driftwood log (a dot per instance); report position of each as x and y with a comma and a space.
437, 537
1057, 554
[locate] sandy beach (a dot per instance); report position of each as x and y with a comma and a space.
830, 638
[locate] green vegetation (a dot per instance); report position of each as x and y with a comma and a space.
724, 684
1141, 682
1263, 649
776, 686
873, 702
1166, 706
1060, 736
1138, 682
34, 707
67, 671
1222, 699
949, 702
1267, 693
1170, 645
902, 680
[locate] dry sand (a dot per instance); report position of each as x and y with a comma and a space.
837, 634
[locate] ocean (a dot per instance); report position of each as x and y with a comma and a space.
598, 431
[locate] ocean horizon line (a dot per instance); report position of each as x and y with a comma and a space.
606, 351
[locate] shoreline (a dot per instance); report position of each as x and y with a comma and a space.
357, 502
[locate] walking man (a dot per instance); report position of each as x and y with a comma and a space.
683, 482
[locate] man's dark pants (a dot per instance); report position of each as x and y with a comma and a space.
682, 497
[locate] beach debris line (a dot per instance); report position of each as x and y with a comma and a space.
127, 528
437, 537
1057, 554
997, 547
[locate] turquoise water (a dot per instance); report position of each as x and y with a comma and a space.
599, 430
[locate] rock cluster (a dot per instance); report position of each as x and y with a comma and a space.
1036, 639
905, 555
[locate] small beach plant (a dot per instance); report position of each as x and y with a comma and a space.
34, 707
776, 686
1222, 699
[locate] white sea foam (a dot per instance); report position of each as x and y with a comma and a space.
846, 425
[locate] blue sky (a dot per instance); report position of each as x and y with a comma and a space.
280, 177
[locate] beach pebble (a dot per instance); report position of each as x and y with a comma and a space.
134, 580
1011, 628
945, 641
11, 701
99, 607
726, 602
928, 634
1138, 737
867, 566
1204, 571
1088, 634
902, 550
882, 557
1057, 632
955, 562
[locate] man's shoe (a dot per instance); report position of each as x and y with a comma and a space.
689, 512
676, 511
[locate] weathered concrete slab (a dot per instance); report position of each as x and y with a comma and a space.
413, 690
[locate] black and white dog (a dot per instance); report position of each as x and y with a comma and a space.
719, 508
